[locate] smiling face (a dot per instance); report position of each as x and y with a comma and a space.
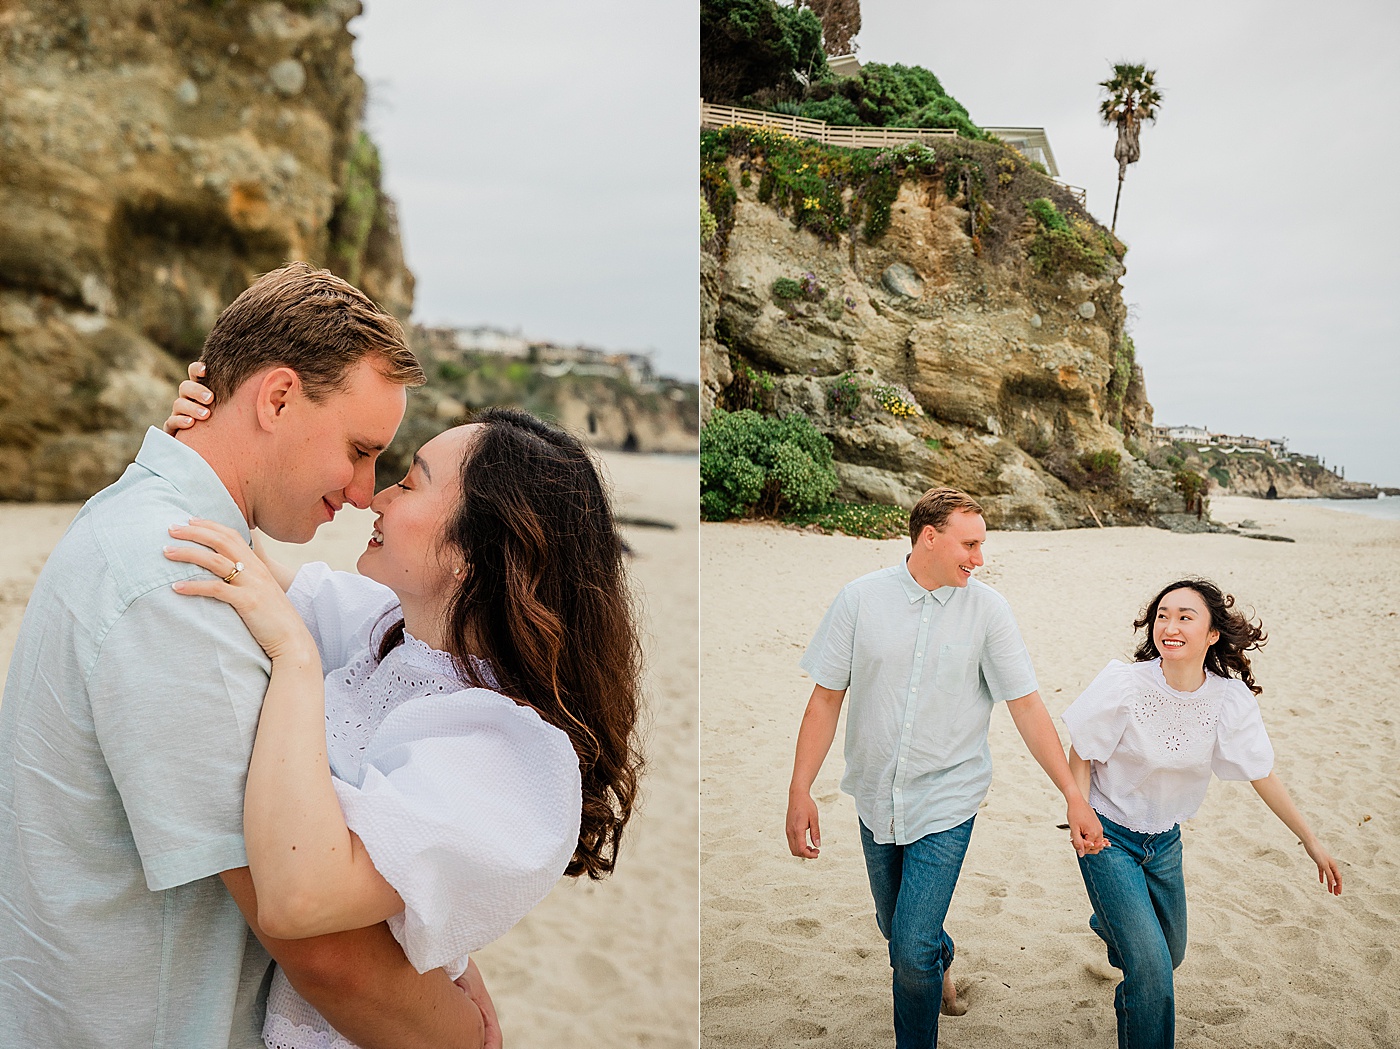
325, 452
948, 556
1181, 630
405, 552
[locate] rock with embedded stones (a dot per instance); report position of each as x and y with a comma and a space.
152, 173
288, 76
900, 279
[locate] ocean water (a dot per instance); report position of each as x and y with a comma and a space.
1386, 507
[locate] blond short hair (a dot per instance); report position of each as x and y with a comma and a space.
936, 506
311, 321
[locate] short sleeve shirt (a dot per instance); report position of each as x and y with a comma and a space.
922, 670
125, 732
1154, 748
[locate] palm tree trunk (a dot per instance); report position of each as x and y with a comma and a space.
1113, 226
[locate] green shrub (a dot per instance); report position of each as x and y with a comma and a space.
1192, 487
1066, 242
1101, 468
843, 395
867, 520
1220, 475
749, 388
785, 289
1045, 213
709, 226
451, 371
752, 465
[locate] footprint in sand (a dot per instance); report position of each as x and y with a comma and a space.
1217, 1017
602, 975
804, 927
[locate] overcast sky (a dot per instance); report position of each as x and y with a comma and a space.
1263, 219
543, 157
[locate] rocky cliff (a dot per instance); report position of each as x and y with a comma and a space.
1241, 471
608, 408
154, 158
945, 315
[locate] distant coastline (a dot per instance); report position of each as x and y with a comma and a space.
1387, 508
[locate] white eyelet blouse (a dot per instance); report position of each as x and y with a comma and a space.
467, 802
1153, 748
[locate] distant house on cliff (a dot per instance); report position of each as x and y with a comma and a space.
485, 339
844, 65
1031, 142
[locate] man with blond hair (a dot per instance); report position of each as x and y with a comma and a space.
925, 652
128, 916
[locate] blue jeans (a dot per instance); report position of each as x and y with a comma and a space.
913, 886
1139, 901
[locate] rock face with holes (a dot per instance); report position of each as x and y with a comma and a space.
154, 158
926, 364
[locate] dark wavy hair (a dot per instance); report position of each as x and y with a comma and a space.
1237, 634
546, 602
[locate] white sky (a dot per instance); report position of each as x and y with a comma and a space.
543, 157
1263, 219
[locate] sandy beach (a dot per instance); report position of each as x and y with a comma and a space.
790, 950
608, 963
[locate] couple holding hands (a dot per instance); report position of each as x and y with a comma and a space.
925, 651
209, 762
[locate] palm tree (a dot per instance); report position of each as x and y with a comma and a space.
1132, 99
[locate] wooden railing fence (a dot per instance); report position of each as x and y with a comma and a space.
834, 134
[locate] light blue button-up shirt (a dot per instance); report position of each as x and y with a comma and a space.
922, 670
125, 733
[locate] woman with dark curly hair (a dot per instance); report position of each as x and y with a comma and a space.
1145, 738
448, 732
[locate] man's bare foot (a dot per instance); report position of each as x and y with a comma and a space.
952, 1004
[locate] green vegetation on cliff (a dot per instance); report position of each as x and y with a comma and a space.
831, 191
883, 96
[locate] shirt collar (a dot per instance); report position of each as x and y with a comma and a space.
917, 593
187, 471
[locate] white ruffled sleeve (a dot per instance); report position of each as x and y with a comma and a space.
469, 807
1242, 747
1099, 717
341, 609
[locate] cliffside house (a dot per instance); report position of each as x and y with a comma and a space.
1031, 142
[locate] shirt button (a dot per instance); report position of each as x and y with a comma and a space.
906, 724
896, 790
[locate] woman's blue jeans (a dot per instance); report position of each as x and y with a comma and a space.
913, 886
1139, 901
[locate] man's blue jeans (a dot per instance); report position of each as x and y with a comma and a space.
913, 886
1139, 901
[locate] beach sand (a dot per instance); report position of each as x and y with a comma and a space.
608, 963
790, 951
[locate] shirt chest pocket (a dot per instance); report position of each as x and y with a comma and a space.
956, 665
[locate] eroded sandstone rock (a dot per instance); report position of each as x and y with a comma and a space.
1017, 377
149, 171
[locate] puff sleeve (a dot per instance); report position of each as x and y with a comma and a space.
1242, 747
341, 609
468, 804
1099, 717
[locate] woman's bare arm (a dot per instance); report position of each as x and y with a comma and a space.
1276, 796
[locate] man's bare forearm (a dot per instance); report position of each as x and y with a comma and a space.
363, 985
814, 738
1038, 731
